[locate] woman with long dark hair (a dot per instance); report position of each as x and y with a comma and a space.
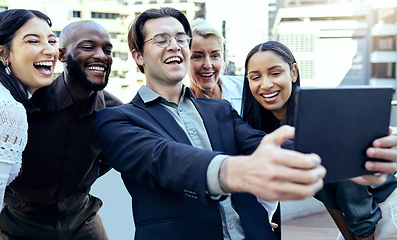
28, 54
270, 83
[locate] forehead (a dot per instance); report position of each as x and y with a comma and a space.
210, 43
88, 32
266, 59
34, 26
168, 25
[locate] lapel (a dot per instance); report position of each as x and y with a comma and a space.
163, 119
210, 122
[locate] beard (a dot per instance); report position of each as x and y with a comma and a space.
78, 76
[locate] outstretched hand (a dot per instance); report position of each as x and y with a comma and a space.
273, 173
382, 148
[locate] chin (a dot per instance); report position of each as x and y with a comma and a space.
45, 82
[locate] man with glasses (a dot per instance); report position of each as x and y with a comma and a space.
192, 166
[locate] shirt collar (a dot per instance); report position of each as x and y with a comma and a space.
148, 95
64, 99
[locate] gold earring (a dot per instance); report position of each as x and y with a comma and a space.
7, 67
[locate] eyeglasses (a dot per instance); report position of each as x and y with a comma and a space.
163, 40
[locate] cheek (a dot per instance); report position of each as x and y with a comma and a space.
253, 87
56, 53
218, 65
195, 66
287, 93
19, 64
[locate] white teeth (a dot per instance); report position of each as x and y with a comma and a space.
206, 74
270, 95
173, 59
46, 64
96, 69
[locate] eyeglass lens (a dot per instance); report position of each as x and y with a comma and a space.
164, 40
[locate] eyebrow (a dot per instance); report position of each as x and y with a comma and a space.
35, 35
271, 68
203, 52
90, 41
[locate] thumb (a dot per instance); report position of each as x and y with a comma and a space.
279, 136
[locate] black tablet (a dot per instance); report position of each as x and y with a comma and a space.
339, 124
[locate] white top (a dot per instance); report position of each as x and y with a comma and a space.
232, 90
13, 138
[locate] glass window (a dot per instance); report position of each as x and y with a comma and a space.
100, 15
386, 15
385, 43
384, 70
77, 14
57, 33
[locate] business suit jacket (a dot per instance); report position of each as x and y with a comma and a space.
166, 176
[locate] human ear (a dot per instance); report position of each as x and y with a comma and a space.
294, 72
137, 56
3, 55
62, 55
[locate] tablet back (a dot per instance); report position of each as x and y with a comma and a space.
339, 124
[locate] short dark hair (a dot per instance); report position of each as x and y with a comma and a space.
10, 22
137, 35
252, 112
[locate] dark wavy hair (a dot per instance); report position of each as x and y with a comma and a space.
137, 35
10, 22
254, 113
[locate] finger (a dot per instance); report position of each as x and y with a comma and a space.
382, 153
368, 180
294, 191
294, 159
385, 142
286, 174
382, 167
279, 136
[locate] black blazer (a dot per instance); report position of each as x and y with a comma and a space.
166, 176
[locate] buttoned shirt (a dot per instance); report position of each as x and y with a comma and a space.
189, 119
62, 158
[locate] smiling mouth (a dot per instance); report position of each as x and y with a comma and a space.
44, 67
270, 95
206, 75
170, 60
97, 69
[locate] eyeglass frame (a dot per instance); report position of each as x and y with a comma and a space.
188, 38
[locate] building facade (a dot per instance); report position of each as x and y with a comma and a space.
343, 43
115, 16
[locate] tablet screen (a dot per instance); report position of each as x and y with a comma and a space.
339, 124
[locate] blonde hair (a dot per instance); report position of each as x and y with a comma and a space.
202, 28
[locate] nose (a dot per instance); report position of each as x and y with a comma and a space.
174, 44
50, 49
207, 64
267, 83
100, 54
